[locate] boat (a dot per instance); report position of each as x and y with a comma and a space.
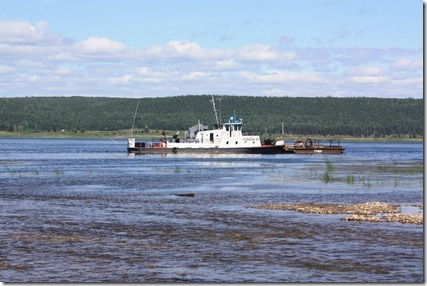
313, 147
226, 139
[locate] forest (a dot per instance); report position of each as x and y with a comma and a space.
352, 116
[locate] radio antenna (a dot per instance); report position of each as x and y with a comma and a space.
134, 117
214, 109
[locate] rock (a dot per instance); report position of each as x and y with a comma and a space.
185, 195
368, 211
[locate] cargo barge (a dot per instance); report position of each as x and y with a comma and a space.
313, 147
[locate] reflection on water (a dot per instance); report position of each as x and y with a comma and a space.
75, 210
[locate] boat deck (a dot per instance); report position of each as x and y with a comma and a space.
308, 147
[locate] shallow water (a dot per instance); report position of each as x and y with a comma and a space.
82, 210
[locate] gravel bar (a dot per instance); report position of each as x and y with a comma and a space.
370, 211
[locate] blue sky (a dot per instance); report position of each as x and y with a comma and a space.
141, 48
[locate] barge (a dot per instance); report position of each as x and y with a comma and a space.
313, 147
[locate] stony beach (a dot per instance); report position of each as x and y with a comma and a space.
369, 211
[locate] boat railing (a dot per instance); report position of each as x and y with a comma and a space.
316, 143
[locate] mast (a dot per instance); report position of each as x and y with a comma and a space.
220, 114
283, 130
216, 115
134, 116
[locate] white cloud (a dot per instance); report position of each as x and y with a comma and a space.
283, 77
195, 76
34, 60
371, 71
274, 92
149, 75
61, 71
264, 53
6, 69
368, 79
121, 80
185, 50
408, 64
98, 45
228, 64
23, 32
33, 78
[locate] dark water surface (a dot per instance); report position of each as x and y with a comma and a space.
82, 210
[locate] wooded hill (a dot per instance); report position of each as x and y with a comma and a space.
313, 116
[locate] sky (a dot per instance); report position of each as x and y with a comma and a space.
157, 48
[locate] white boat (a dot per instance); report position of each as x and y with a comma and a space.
228, 138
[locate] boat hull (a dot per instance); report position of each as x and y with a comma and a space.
266, 149
326, 150
314, 150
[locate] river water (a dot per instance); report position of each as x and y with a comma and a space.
83, 210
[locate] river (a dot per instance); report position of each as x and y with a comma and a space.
83, 210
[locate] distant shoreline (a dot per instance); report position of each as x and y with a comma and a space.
157, 135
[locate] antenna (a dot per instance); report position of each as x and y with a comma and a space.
283, 130
216, 115
134, 117
220, 114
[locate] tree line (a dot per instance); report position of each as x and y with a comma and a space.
354, 116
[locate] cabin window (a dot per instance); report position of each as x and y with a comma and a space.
236, 142
226, 142
211, 137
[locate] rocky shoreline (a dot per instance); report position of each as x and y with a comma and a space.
369, 212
